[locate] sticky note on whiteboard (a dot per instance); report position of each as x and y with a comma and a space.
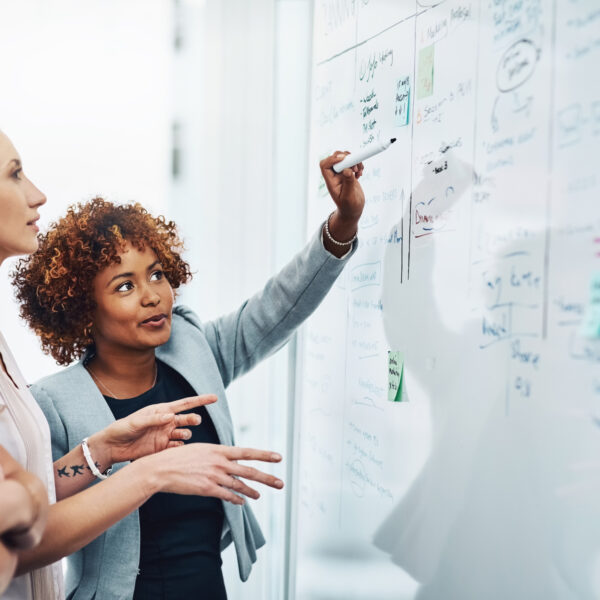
402, 102
425, 72
590, 327
395, 375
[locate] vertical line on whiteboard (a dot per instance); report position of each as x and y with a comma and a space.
403, 238
412, 138
475, 144
509, 330
345, 388
550, 172
507, 392
355, 46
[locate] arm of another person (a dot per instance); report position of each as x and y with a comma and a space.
23, 504
192, 469
265, 321
146, 431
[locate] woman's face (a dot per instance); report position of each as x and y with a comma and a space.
133, 303
19, 201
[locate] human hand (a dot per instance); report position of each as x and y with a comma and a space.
210, 470
147, 431
344, 187
24, 508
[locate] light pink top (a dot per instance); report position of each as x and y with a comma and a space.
25, 434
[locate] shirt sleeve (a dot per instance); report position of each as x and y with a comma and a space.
265, 321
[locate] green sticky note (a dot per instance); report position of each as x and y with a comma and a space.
402, 108
425, 72
395, 375
590, 327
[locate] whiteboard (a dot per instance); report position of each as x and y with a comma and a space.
479, 262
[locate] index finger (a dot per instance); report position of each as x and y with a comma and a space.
191, 402
235, 453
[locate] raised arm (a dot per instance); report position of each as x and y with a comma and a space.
265, 321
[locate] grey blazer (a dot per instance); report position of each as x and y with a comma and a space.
209, 356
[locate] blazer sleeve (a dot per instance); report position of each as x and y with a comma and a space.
58, 432
265, 321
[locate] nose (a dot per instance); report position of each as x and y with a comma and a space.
150, 297
35, 198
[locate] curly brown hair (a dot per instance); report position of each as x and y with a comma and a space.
54, 285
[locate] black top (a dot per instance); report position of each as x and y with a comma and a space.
180, 553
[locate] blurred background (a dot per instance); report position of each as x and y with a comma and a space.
198, 109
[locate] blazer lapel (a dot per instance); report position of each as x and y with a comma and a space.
184, 355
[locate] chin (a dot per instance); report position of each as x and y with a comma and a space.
159, 339
25, 249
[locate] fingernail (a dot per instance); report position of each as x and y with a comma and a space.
188, 435
275, 456
339, 155
279, 483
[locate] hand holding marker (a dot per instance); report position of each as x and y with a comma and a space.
366, 152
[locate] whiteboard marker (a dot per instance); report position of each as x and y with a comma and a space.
366, 152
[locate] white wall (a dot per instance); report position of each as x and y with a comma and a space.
85, 102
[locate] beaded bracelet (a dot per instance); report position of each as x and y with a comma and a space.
334, 241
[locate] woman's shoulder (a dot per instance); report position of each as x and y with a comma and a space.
56, 383
186, 316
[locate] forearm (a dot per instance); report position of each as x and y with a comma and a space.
72, 473
79, 519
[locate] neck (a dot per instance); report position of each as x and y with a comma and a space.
127, 372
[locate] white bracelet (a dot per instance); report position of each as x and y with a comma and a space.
334, 241
91, 464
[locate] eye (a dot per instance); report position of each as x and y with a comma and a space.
17, 174
157, 275
126, 286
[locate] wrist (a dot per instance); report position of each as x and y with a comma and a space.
343, 227
101, 450
153, 476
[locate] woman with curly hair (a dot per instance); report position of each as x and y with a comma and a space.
101, 289
29, 480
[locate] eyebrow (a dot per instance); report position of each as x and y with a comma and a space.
156, 262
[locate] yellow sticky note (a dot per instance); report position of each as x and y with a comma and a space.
395, 375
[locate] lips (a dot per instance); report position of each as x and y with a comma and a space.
33, 223
155, 319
